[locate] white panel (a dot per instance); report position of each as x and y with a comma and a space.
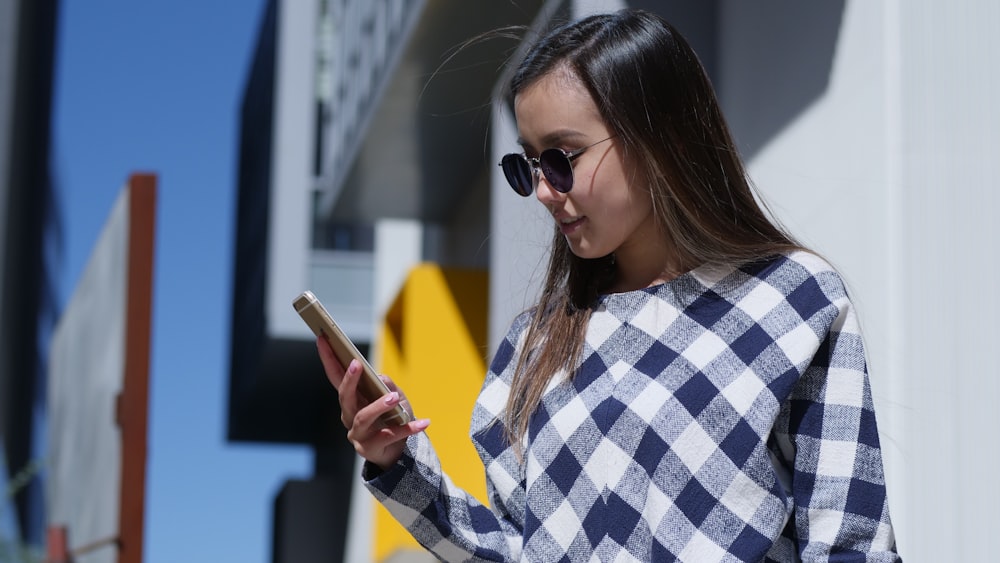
950, 137
292, 178
86, 374
888, 336
397, 251
360, 524
344, 282
584, 8
520, 236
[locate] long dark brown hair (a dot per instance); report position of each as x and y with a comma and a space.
654, 95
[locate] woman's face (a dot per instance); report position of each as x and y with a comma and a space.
605, 211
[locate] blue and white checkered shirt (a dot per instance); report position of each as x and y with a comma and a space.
723, 416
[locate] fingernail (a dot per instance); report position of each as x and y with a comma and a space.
391, 398
422, 423
354, 367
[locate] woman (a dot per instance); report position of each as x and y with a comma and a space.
691, 384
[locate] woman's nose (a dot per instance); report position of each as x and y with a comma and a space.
545, 193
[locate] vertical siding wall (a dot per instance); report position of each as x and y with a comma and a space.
948, 170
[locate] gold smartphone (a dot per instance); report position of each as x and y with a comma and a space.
370, 386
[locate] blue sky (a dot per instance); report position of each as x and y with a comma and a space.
155, 86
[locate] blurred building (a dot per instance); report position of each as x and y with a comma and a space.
29, 239
363, 153
367, 174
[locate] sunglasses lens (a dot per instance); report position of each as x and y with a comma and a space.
518, 173
558, 170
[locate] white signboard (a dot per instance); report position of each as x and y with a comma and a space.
97, 343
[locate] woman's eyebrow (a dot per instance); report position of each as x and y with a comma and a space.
554, 138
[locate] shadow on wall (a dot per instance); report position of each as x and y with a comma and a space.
769, 60
775, 59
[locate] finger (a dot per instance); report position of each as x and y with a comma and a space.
331, 365
389, 435
350, 401
385, 446
373, 416
403, 431
370, 431
393, 388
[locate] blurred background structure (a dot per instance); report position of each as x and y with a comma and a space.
365, 174
30, 232
366, 171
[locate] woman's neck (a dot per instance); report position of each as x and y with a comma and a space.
648, 265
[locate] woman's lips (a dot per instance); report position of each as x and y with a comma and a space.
570, 224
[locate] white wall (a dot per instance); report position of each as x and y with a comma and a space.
520, 233
290, 207
945, 170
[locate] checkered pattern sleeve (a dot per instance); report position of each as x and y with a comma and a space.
446, 520
825, 438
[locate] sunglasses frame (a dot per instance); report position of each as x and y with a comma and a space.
513, 168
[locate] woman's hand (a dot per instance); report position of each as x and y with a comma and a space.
373, 441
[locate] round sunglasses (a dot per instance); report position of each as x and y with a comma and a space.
556, 164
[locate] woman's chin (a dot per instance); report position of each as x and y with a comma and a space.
586, 252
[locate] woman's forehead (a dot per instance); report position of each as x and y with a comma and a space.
555, 105
558, 80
